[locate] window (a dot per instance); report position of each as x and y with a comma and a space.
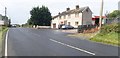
76, 23
87, 10
64, 17
77, 15
65, 22
68, 23
69, 16
59, 17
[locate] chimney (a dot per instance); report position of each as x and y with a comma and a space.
59, 13
67, 9
77, 6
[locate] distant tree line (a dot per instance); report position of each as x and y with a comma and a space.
40, 16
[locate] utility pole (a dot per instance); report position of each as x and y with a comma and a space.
101, 12
5, 11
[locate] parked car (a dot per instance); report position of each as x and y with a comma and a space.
13, 26
67, 27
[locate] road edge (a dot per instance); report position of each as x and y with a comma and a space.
6, 37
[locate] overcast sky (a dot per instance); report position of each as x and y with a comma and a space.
19, 10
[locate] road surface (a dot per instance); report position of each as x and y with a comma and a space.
48, 42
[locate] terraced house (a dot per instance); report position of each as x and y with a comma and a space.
74, 17
3, 20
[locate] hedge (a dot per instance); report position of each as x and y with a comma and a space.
110, 28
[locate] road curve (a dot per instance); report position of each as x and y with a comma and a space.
47, 42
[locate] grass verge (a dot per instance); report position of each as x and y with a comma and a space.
3, 30
109, 35
110, 38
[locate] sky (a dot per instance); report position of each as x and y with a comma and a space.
19, 10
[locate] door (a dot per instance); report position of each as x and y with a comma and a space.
54, 25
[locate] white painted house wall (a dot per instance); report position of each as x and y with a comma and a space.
74, 19
85, 16
1, 21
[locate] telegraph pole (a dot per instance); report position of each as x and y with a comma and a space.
6, 20
5, 11
101, 12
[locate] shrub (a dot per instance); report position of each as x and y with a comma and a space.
110, 28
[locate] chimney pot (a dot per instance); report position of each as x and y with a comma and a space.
77, 6
67, 9
59, 13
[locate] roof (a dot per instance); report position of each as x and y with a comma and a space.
99, 16
94, 18
80, 10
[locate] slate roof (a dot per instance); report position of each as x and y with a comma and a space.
80, 10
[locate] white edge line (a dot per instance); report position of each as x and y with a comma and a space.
6, 42
73, 47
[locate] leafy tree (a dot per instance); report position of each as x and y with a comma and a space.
29, 22
40, 16
114, 14
9, 23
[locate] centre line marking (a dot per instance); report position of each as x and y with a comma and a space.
72, 47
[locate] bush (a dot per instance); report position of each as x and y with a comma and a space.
110, 28
3, 27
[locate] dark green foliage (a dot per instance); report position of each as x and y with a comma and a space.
40, 16
114, 14
29, 22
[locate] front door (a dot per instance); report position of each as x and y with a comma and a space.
54, 25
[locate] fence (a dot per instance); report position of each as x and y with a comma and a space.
87, 28
110, 21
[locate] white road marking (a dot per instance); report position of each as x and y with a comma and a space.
73, 47
6, 43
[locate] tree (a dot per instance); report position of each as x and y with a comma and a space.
40, 16
29, 22
114, 14
9, 23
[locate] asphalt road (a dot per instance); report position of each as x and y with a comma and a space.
48, 42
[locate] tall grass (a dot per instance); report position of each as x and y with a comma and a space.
109, 34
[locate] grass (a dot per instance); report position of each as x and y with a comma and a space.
0, 38
110, 38
2, 32
109, 35
87, 35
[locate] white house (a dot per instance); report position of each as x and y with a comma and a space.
74, 17
3, 20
